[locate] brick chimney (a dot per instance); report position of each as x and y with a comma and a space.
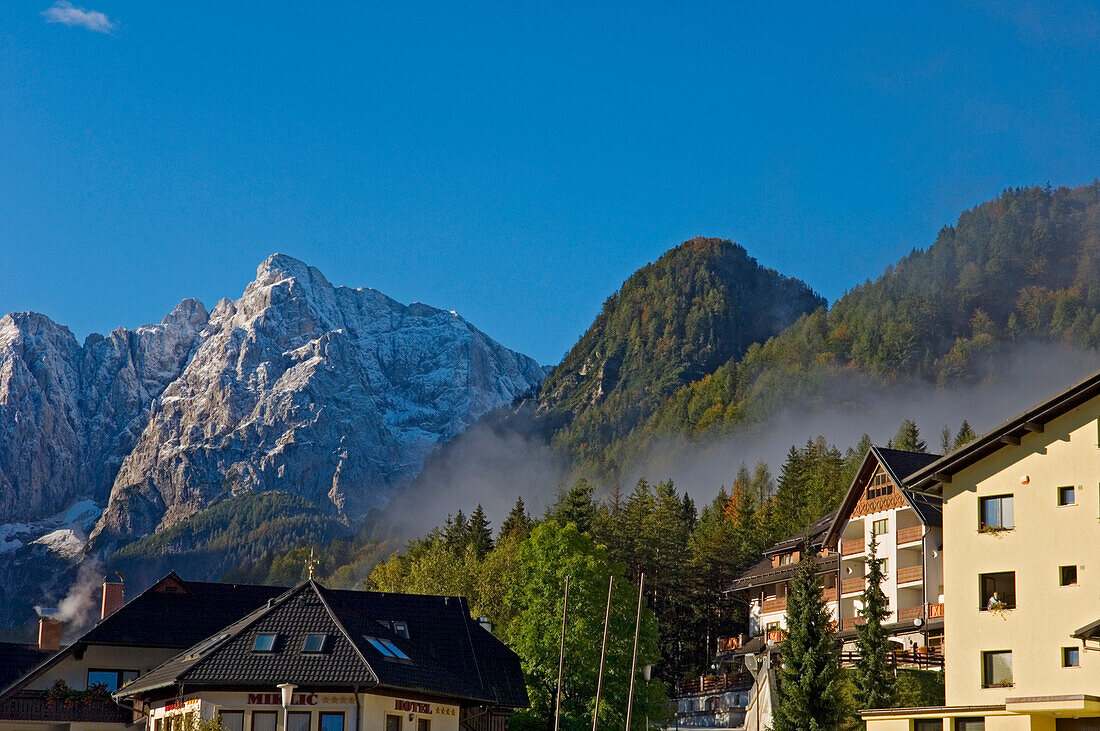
113, 595
49, 629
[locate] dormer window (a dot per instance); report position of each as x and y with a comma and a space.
265, 642
401, 629
880, 484
314, 643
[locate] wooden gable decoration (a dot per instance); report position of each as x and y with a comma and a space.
877, 494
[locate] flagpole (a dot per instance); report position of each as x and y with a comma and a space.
561, 657
603, 653
634, 659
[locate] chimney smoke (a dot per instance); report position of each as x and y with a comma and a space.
49, 629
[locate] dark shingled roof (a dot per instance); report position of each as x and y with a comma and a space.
817, 533
903, 463
172, 613
449, 654
762, 572
197, 609
18, 659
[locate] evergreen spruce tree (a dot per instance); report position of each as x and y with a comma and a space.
517, 525
809, 676
456, 533
908, 438
481, 537
875, 679
574, 505
965, 435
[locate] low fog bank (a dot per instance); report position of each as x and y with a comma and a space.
492, 463
500, 459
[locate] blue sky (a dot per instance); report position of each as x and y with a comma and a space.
511, 161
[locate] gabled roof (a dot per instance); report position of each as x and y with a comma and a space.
899, 465
195, 608
17, 659
932, 477
443, 657
763, 572
816, 532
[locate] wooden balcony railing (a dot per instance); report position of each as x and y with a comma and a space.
922, 659
909, 535
909, 574
852, 547
32, 705
852, 586
851, 622
908, 614
775, 604
713, 683
728, 644
935, 611
829, 594
776, 635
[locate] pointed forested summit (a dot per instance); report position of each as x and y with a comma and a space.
673, 321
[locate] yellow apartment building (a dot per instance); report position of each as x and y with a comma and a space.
1021, 563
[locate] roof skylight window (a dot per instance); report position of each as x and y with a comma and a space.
208, 645
386, 648
264, 642
395, 649
314, 643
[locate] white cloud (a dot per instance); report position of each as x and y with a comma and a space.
65, 12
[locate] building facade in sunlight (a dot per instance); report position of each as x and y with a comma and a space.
1021, 533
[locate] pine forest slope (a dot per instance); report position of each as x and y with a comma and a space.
672, 322
1025, 266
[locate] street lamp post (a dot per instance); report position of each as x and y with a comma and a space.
647, 673
287, 689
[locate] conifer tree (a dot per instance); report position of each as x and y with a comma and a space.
875, 679
456, 533
965, 435
517, 525
809, 676
908, 438
481, 537
574, 505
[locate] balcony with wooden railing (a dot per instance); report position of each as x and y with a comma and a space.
910, 574
910, 535
33, 705
728, 644
852, 547
851, 622
852, 586
923, 659
908, 614
829, 595
775, 604
706, 684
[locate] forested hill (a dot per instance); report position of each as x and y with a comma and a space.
1025, 266
672, 322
